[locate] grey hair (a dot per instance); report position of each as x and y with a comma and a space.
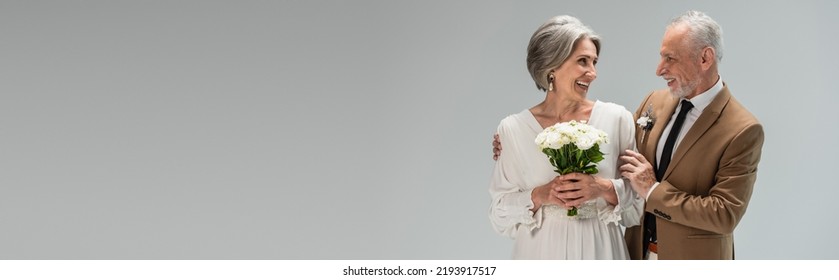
551, 45
704, 31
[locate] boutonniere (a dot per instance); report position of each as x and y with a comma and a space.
646, 121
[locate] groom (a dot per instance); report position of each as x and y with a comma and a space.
698, 151
705, 147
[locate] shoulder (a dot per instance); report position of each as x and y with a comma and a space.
744, 123
612, 107
738, 113
513, 121
659, 96
734, 114
657, 100
745, 135
615, 110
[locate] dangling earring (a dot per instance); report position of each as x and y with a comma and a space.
550, 82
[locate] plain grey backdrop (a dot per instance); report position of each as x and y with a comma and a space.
354, 129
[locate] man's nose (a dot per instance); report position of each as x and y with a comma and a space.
659, 70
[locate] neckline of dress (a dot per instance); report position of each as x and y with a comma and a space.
534, 123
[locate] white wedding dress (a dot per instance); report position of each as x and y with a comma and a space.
549, 233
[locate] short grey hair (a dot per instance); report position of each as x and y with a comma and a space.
551, 45
703, 31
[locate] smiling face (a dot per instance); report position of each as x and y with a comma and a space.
680, 64
575, 75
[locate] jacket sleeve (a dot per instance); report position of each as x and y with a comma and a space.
721, 210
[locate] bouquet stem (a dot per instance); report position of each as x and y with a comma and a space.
572, 211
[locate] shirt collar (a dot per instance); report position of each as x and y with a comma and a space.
704, 99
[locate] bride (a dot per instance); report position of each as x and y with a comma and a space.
529, 200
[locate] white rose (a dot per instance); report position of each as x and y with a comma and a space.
584, 143
554, 140
604, 139
540, 140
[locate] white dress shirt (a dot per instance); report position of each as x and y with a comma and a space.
700, 102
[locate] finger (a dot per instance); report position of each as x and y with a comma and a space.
631, 153
560, 180
570, 187
572, 177
577, 201
634, 161
630, 159
554, 196
637, 156
566, 178
628, 168
628, 175
569, 196
582, 178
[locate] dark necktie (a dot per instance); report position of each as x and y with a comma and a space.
666, 154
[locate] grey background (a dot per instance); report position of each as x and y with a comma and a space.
353, 129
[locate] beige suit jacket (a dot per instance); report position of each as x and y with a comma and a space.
706, 188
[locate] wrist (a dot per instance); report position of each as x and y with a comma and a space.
649, 190
605, 185
536, 198
608, 191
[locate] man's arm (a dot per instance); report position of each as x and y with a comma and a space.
721, 210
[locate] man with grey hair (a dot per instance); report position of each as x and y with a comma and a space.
698, 151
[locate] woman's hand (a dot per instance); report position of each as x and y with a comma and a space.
547, 194
576, 188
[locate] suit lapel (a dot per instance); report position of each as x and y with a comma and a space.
708, 117
663, 109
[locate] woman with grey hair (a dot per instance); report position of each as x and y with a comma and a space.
529, 200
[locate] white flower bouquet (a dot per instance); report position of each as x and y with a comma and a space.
572, 147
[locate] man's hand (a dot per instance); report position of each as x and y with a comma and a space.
496, 147
639, 171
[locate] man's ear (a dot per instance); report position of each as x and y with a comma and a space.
708, 57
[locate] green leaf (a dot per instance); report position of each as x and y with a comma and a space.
563, 161
567, 170
572, 211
